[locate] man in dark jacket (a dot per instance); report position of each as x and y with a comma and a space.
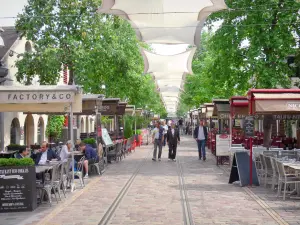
45, 154
173, 138
23, 152
91, 157
200, 135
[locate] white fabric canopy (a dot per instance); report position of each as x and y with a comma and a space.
164, 21
168, 64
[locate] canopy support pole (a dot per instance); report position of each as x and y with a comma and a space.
73, 187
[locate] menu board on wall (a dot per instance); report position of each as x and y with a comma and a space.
106, 138
17, 189
223, 145
249, 126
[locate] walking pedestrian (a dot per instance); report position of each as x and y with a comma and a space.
200, 135
165, 126
157, 139
173, 138
180, 125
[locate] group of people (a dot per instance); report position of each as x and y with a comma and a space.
46, 154
164, 134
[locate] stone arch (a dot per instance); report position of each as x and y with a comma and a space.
87, 125
92, 125
41, 130
15, 131
29, 130
82, 125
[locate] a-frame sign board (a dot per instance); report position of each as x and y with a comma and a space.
240, 170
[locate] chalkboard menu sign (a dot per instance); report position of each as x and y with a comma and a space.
106, 138
17, 189
249, 126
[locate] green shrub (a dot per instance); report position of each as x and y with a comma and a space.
89, 141
16, 146
128, 132
16, 162
138, 132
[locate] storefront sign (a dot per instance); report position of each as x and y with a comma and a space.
286, 117
293, 105
224, 116
223, 145
36, 97
108, 110
17, 189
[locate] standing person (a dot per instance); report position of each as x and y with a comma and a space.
165, 126
157, 139
169, 123
180, 124
200, 135
173, 138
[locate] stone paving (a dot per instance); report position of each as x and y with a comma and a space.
154, 196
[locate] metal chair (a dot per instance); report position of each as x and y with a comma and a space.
79, 172
285, 179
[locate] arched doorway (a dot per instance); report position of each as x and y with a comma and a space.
92, 127
40, 131
15, 134
29, 130
82, 125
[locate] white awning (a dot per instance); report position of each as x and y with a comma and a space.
164, 21
168, 64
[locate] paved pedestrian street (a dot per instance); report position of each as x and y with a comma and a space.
140, 191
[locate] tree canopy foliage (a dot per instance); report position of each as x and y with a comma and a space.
97, 49
249, 49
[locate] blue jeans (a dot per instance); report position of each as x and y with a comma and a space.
201, 148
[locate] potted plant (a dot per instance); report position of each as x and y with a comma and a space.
17, 185
15, 147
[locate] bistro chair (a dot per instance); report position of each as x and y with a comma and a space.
267, 167
275, 178
50, 183
285, 179
79, 172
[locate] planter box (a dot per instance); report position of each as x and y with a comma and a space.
17, 189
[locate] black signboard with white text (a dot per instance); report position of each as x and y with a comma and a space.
17, 189
249, 126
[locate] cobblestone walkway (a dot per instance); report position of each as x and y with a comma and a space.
140, 191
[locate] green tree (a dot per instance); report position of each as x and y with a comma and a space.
54, 127
97, 49
248, 50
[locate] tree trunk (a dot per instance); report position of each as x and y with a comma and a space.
267, 125
71, 76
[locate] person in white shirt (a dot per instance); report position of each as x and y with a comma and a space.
66, 151
200, 135
165, 126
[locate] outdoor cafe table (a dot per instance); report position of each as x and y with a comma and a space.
8, 154
77, 155
295, 166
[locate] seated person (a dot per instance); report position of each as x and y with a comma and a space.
24, 152
77, 145
91, 157
45, 154
66, 151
